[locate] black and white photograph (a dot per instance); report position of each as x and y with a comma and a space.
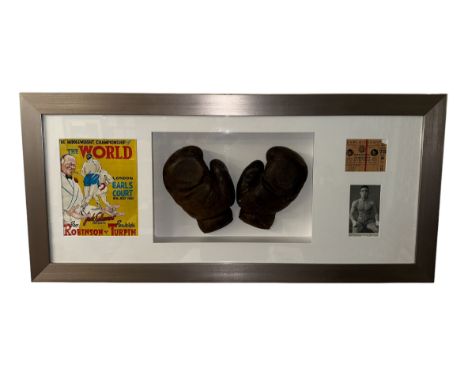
364, 205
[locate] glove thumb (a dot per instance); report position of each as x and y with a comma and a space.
222, 178
249, 178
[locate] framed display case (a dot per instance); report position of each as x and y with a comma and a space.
254, 188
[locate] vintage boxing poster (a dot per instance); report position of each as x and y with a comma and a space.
99, 187
366, 155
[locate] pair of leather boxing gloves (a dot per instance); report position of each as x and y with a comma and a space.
207, 194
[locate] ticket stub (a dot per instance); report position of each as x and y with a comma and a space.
366, 155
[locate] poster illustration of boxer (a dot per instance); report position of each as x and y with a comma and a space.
99, 187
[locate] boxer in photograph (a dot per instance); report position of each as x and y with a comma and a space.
363, 214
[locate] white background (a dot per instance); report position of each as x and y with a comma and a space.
230, 332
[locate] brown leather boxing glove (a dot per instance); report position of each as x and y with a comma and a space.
205, 194
263, 191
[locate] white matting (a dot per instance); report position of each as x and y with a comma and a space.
313, 229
